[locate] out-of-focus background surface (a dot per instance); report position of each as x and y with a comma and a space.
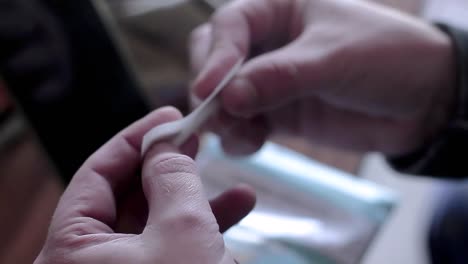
30, 185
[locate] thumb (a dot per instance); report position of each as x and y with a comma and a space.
172, 187
271, 80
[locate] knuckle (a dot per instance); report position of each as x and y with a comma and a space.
193, 220
285, 76
172, 164
225, 23
189, 220
173, 175
287, 71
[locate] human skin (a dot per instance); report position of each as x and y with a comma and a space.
352, 74
120, 208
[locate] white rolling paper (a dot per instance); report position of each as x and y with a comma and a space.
179, 131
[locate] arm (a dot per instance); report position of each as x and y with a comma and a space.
445, 156
353, 74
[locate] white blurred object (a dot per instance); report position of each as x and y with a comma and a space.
306, 212
407, 227
406, 231
179, 131
454, 12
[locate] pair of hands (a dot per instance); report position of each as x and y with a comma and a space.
348, 73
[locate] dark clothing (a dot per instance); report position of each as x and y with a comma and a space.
75, 90
63, 69
446, 157
448, 235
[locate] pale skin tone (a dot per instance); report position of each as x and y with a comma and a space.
347, 73
121, 209
352, 74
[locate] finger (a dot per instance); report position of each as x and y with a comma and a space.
199, 47
235, 29
133, 207
172, 187
222, 123
132, 211
233, 205
90, 196
246, 137
239, 136
272, 80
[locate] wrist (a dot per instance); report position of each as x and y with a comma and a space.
443, 103
435, 104
449, 129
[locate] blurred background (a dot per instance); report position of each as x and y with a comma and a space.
88, 68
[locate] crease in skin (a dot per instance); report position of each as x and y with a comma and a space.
180, 130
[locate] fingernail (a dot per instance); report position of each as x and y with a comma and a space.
200, 90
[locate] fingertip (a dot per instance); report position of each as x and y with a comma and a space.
246, 138
233, 205
213, 72
240, 98
239, 147
223, 122
199, 46
200, 33
135, 133
168, 113
248, 194
238, 144
165, 159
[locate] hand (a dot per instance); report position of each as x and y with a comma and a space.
108, 214
352, 74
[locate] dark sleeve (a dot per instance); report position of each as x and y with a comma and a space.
447, 155
66, 74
